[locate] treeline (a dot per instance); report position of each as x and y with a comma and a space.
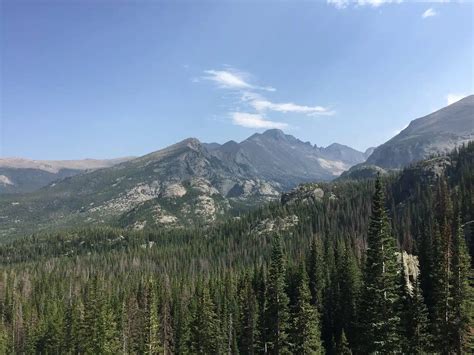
338, 282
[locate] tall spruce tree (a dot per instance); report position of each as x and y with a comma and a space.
167, 333
305, 332
379, 320
414, 326
342, 347
260, 288
461, 295
204, 327
441, 268
350, 282
152, 322
276, 313
247, 318
316, 274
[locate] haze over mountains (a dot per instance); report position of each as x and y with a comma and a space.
272, 155
192, 182
26, 175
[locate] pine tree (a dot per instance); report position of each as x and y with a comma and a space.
248, 319
441, 268
204, 327
305, 332
259, 287
90, 332
277, 303
461, 294
152, 321
166, 320
180, 323
316, 274
98, 331
414, 325
110, 340
378, 315
71, 328
342, 347
349, 284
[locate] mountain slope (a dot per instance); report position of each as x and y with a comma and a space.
436, 133
19, 175
186, 183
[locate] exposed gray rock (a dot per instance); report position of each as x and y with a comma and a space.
278, 225
363, 171
303, 193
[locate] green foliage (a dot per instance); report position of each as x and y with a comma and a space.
379, 319
231, 288
276, 312
305, 332
204, 334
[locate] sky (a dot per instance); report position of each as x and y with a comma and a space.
103, 79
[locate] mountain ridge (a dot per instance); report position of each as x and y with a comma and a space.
185, 183
436, 133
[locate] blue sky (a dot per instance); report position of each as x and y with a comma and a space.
107, 79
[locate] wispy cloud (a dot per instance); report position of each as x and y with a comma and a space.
342, 4
251, 98
232, 79
429, 13
253, 120
265, 105
262, 104
452, 98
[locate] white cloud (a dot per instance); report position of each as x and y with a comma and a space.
251, 120
251, 98
429, 13
262, 104
342, 4
452, 98
265, 105
232, 79
376, 3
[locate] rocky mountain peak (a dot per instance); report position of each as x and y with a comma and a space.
274, 133
436, 133
192, 143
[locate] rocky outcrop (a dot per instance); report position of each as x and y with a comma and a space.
303, 193
361, 172
277, 225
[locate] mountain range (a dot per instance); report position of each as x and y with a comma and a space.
272, 155
188, 182
19, 175
196, 183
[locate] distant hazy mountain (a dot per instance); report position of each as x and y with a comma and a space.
279, 157
18, 175
188, 182
344, 153
436, 133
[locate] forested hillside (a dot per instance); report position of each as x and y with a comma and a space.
368, 266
